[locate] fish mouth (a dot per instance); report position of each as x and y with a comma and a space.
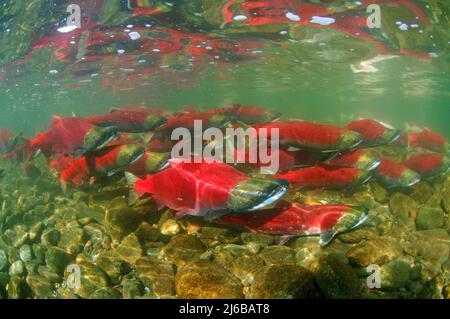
349, 140
108, 139
372, 165
361, 220
272, 198
137, 157
256, 193
364, 179
165, 165
394, 136
155, 122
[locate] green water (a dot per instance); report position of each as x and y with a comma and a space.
305, 73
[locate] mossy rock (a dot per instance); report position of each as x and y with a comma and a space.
206, 280
182, 249
336, 279
429, 218
283, 282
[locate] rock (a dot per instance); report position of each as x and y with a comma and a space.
357, 235
394, 275
17, 288
132, 288
403, 207
56, 259
157, 275
166, 215
147, 233
31, 267
283, 282
4, 263
4, 278
72, 240
422, 192
206, 280
92, 278
376, 251
129, 249
121, 221
278, 255
105, 293
223, 235
39, 253
336, 279
21, 236
446, 292
114, 267
446, 200
183, 248
35, 231
17, 268
41, 287
50, 237
262, 240
25, 253
170, 228
380, 194
238, 260
47, 273
431, 247
429, 218
95, 232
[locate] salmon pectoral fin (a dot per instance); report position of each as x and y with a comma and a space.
326, 238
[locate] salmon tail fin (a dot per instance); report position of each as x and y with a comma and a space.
131, 180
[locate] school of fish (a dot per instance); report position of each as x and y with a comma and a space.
135, 141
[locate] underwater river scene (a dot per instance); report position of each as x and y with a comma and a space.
349, 101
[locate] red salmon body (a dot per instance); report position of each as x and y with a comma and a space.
297, 220
200, 189
151, 162
393, 174
313, 136
104, 162
72, 136
429, 140
254, 114
359, 158
427, 164
374, 133
187, 119
133, 119
324, 177
192, 188
65, 135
